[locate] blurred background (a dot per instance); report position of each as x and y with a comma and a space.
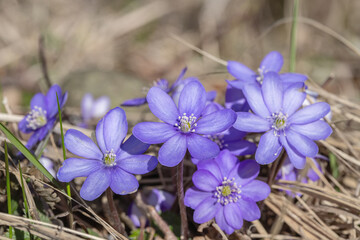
117, 48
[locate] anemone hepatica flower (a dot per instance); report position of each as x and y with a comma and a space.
272, 62
183, 125
111, 163
93, 109
43, 114
275, 112
235, 99
161, 200
227, 190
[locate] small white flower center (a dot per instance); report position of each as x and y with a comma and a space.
36, 118
228, 192
278, 123
186, 123
260, 76
109, 158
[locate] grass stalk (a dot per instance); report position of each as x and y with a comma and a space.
8, 189
293, 36
180, 193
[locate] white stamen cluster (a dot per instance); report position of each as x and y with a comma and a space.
109, 158
218, 139
186, 123
36, 118
278, 123
228, 192
260, 76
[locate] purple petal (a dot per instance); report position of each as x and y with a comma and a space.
95, 184
245, 172
302, 144
81, 145
201, 147
206, 210
255, 190
255, 99
272, 92
173, 151
37, 136
192, 99
221, 222
23, 125
154, 132
39, 100
99, 133
297, 159
293, 100
211, 108
315, 131
162, 106
100, 107
240, 71
235, 100
134, 214
134, 102
205, 180
133, 146
115, 128
249, 122
312, 175
236, 84
178, 80
241, 148
233, 215
123, 183
86, 105
310, 113
180, 86
269, 148
52, 107
293, 78
226, 162
233, 134
77, 167
273, 61
138, 164
249, 210
212, 167
194, 196
216, 122
210, 96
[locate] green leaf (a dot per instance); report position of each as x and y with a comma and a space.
333, 165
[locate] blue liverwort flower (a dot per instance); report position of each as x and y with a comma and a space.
272, 62
183, 125
93, 109
227, 190
235, 99
111, 163
43, 114
275, 112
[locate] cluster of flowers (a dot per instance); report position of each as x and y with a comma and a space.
224, 188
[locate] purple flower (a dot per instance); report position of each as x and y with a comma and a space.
43, 114
275, 112
48, 164
161, 200
227, 190
183, 125
111, 163
92, 109
235, 99
272, 62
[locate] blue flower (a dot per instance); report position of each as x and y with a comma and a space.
93, 109
226, 189
111, 163
272, 62
275, 112
235, 99
183, 125
43, 115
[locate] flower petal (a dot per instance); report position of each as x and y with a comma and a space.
86, 105
212, 167
173, 151
241, 148
123, 183
304, 145
272, 92
194, 196
154, 132
269, 148
23, 125
132, 146
100, 107
95, 184
245, 172
205, 180
249, 122
226, 162
255, 99
239, 70
115, 128
221, 222
99, 133
255, 190
293, 99
51, 100
138, 164
192, 99
236, 84
297, 159
235, 99
233, 215
162, 106
310, 113
233, 134
134, 102
216, 122
201, 147
273, 61
39, 100
249, 210
315, 131
293, 78
77, 167
81, 145
206, 210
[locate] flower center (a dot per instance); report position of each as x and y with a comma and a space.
109, 158
218, 139
278, 123
228, 192
36, 118
186, 123
161, 83
260, 76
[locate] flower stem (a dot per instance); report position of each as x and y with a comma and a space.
180, 193
114, 212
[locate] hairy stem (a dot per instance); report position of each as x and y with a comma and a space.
180, 193
114, 212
